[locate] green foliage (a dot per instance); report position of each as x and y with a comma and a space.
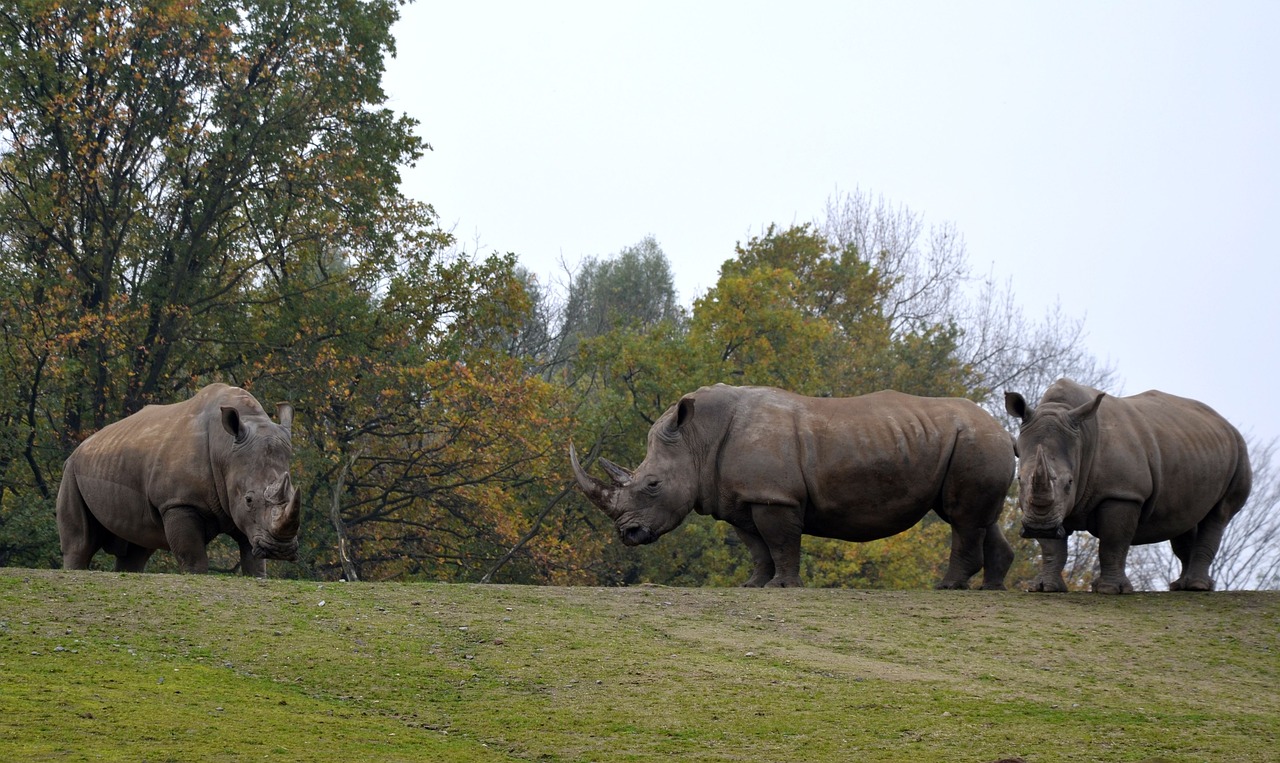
209, 192
28, 536
791, 310
198, 192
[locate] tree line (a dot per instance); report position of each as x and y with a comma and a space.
199, 192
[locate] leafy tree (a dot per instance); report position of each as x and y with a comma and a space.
790, 310
193, 192
635, 288
159, 162
931, 290
798, 311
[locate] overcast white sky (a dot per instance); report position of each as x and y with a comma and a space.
1122, 157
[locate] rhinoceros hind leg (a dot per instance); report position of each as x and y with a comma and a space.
134, 558
966, 557
79, 532
997, 558
1184, 547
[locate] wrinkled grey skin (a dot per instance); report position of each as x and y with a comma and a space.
177, 476
777, 465
1130, 470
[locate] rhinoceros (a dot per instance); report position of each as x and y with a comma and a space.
175, 477
776, 465
1130, 470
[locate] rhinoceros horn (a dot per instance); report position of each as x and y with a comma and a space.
621, 476
285, 523
596, 491
1041, 485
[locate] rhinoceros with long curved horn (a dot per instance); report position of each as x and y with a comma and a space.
777, 465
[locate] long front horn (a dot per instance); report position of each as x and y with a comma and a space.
1041, 486
595, 489
286, 523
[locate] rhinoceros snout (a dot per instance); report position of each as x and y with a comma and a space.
267, 549
637, 535
1054, 532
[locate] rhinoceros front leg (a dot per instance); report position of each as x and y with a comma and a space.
1053, 559
1116, 522
761, 559
250, 565
184, 529
781, 527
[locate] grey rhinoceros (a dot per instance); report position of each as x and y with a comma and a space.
1130, 470
777, 465
175, 477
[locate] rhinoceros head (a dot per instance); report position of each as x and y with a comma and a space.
655, 498
1049, 448
263, 502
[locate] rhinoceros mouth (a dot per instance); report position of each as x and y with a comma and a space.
637, 535
1048, 532
270, 548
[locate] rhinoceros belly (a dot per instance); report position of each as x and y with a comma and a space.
123, 510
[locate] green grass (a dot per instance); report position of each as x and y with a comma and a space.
103, 666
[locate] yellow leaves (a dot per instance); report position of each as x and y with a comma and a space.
913, 559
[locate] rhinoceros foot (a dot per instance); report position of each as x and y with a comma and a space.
1112, 586
952, 585
1191, 584
1048, 584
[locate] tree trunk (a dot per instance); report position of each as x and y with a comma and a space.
349, 569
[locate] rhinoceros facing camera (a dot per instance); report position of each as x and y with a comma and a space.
177, 476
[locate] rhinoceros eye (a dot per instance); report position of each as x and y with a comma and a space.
652, 486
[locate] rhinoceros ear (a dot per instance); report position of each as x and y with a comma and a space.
284, 412
684, 413
1087, 411
231, 422
1017, 407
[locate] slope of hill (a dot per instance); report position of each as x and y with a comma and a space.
102, 666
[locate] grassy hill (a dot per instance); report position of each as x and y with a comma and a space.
103, 666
